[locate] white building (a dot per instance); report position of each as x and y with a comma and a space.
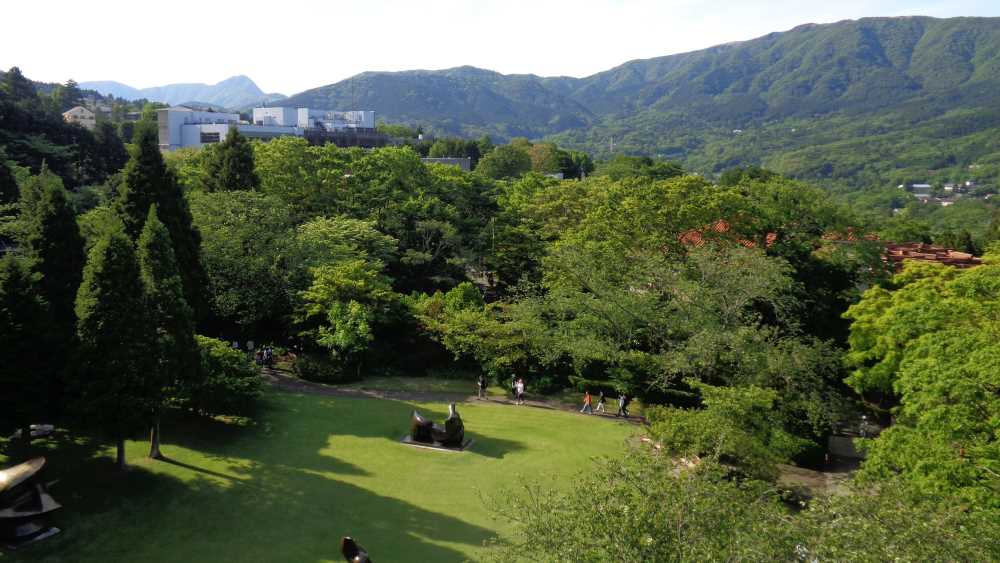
184, 127
81, 116
335, 120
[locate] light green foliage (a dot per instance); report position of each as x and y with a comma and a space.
505, 161
930, 342
647, 508
739, 426
247, 238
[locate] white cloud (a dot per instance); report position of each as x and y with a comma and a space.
293, 45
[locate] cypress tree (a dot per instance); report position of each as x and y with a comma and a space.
22, 327
50, 240
8, 185
174, 356
231, 166
147, 181
116, 338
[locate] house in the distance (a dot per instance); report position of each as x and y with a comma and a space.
81, 116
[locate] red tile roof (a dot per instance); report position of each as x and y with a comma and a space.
896, 253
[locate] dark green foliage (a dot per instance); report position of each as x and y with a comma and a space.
114, 386
147, 181
230, 165
23, 383
174, 357
228, 382
9, 192
109, 150
324, 369
52, 243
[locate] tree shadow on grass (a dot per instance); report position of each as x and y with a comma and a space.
390, 419
278, 513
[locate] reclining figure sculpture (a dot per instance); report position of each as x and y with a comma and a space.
24, 504
450, 435
352, 551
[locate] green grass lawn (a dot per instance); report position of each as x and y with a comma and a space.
422, 385
307, 470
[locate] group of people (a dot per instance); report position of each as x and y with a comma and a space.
265, 356
623, 401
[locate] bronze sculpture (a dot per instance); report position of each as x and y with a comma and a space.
24, 505
451, 435
352, 551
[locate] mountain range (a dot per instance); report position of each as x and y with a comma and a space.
235, 92
865, 87
866, 101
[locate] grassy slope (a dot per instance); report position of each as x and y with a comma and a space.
308, 471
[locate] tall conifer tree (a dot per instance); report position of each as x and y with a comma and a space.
175, 350
231, 166
51, 242
22, 326
116, 338
147, 181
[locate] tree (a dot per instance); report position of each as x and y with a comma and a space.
22, 331
146, 180
231, 165
506, 161
66, 96
53, 246
9, 192
109, 150
117, 340
19, 88
175, 351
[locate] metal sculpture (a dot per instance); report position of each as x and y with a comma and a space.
352, 551
25, 505
451, 435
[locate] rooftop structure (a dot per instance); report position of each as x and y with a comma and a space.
465, 163
185, 127
896, 253
81, 116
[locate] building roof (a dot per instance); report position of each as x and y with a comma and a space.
896, 253
696, 237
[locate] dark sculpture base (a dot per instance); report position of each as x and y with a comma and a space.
23, 542
409, 441
25, 505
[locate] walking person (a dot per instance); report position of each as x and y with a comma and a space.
621, 405
587, 403
482, 386
520, 391
513, 388
600, 403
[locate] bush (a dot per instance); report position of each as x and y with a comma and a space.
323, 369
228, 381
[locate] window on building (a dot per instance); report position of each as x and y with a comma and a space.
209, 137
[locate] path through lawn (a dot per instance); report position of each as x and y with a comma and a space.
310, 469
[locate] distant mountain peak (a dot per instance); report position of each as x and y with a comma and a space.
235, 92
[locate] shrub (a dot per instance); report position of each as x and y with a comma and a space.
228, 381
323, 369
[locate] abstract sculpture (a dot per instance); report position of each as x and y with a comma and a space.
451, 435
352, 551
25, 505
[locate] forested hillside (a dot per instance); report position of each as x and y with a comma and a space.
867, 101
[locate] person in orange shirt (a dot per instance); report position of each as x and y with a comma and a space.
587, 408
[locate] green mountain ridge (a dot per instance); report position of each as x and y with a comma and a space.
790, 93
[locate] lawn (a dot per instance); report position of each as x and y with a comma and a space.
307, 470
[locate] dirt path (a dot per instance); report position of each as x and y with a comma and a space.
287, 382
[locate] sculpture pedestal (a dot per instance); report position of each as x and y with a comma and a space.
409, 441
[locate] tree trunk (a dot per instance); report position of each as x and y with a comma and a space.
120, 460
26, 439
154, 440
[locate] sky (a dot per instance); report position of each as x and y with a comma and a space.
289, 46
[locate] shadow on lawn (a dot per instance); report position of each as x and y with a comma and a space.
275, 509
390, 419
